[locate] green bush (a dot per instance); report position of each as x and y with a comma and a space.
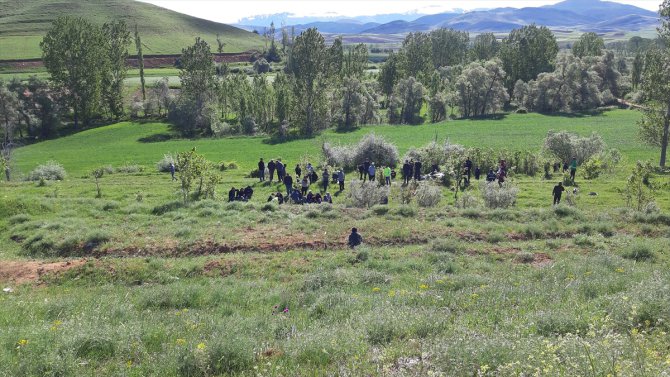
51, 171
405, 211
445, 246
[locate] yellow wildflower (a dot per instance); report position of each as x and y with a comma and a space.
181, 341
201, 346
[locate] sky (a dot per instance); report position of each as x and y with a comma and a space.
232, 11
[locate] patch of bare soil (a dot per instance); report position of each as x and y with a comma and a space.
21, 272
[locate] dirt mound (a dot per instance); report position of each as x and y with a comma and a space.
20, 272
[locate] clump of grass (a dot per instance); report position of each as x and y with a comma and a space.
111, 205
128, 168
268, 207
96, 348
639, 252
380, 210
495, 237
19, 219
562, 210
533, 231
525, 257
167, 207
405, 211
447, 245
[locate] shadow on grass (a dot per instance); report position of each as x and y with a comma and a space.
157, 138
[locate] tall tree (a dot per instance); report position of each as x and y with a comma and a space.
636, 72
589, 44
416, 56
140, 62
220, 44
655, 123
311, 65
527, 52
480, 89
485, 47
448, 47
355, 61
117, 39
388, 75
73, 55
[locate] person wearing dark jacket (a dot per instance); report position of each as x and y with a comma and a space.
340, 179
281, 171
298, 171
261, 170
406, 172
248, 192
232, 194
355, 238
478, 173
361, 171
417, 170
558, 191
325, 180
468, 168
288, 182
366, 167
271, 167
491, 176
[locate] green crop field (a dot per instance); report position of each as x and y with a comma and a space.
24, 23
136, 283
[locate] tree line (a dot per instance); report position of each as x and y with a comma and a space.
320, 86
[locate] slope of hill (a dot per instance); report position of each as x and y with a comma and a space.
24, 23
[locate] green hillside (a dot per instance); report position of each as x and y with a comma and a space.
23, 23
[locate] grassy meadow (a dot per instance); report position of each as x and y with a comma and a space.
158, 288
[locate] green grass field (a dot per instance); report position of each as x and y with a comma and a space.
24, 23
255, 289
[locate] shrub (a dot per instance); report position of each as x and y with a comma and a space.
467, 200
428, 195
163, 165
50, 171
371, 147
639, 252
366, 194
565, 145
498, 197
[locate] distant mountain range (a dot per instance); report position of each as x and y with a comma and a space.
583, 15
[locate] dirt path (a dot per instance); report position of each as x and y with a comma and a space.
20, 272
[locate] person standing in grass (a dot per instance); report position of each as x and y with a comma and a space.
387, 175
304, 185
288, 182
417, 170
172, 170
298, 171
325, 179
355, 238
281, 171
372, 171
361, 172
261, 170
573, 168
271, 168
558, 191
340, 179
406, 172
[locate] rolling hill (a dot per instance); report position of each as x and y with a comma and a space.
24, 23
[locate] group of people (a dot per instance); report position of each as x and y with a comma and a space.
241, 195
368, 171
302, 182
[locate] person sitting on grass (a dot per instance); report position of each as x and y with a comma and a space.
328, 198
317, 198
296, 197
491, 176
355, 238
232, 194
280, 198
309, 198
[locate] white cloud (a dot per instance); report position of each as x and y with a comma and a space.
231, 11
